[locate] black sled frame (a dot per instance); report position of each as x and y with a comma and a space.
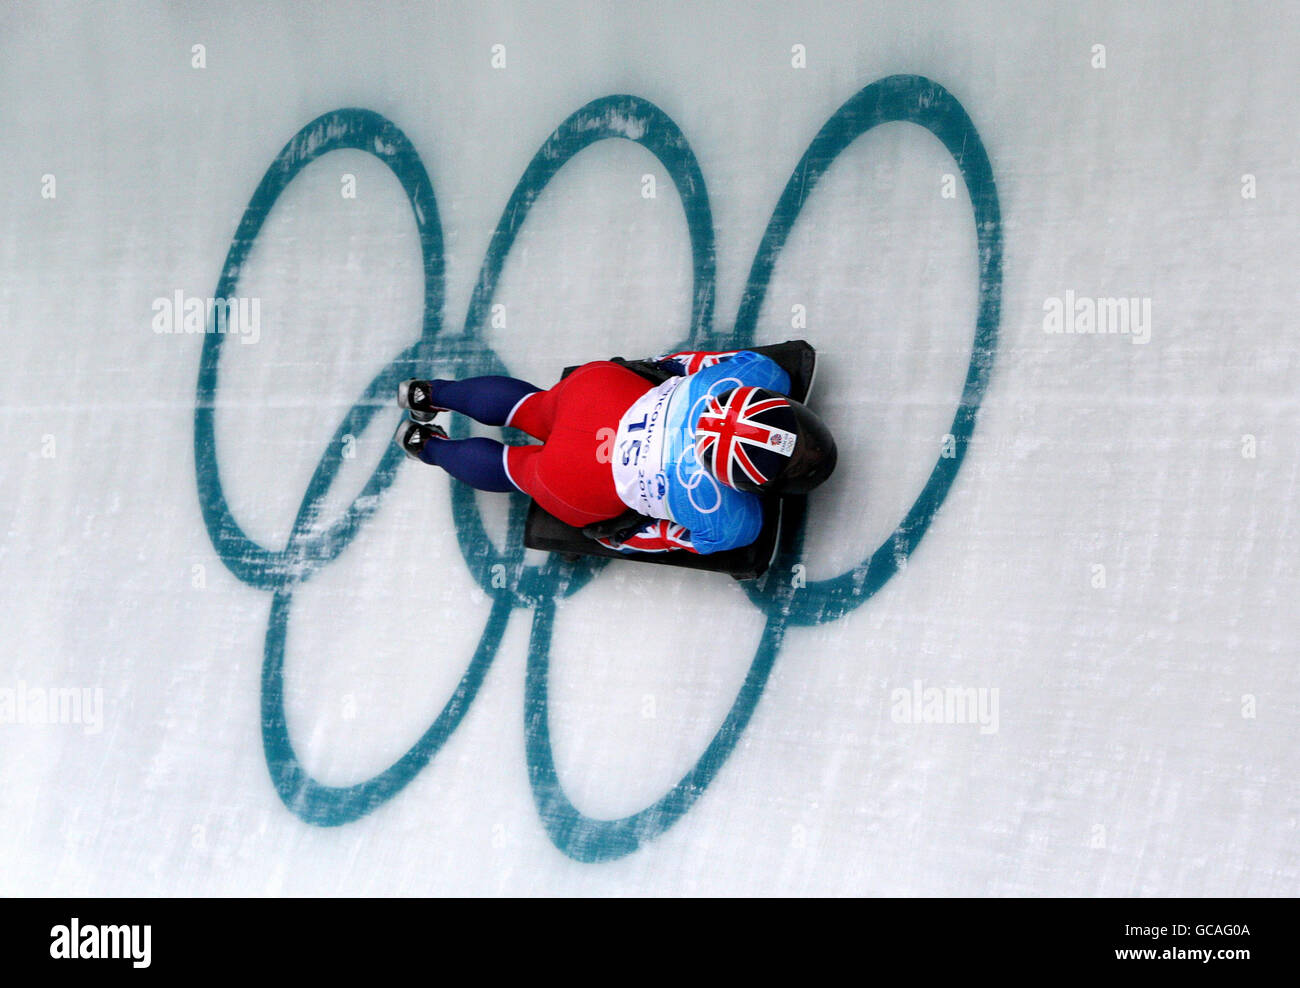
544, 531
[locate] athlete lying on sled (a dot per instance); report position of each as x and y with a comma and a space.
692, 454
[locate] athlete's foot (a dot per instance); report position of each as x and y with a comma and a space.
416, 396
412, 436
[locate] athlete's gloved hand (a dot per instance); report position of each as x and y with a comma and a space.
690, 361
655, 535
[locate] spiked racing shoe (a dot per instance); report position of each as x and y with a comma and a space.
412, 436
415, 396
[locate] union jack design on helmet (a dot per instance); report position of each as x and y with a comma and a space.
746, 437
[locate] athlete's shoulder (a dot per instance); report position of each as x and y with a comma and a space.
738, 523
746, 368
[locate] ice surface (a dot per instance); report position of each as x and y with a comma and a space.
1115, 557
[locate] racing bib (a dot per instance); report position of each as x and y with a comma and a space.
638, 454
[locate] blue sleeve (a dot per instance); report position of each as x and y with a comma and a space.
752, 369
749, 367
739, 523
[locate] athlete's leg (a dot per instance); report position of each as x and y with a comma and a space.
479, 462
535, 413
489, 399
543, 474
